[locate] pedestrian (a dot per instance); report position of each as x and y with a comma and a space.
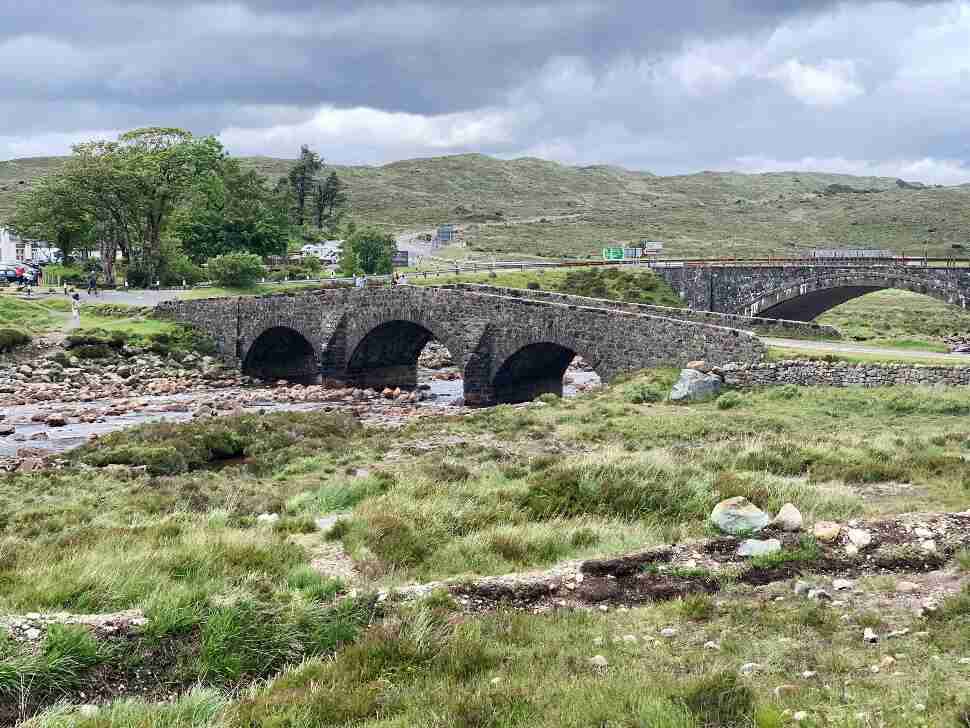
76, 307
93, 284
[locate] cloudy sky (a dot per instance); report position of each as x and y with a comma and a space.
752, 85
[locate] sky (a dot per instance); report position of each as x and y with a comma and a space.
859, 87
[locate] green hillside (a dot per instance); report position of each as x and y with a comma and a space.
536, 207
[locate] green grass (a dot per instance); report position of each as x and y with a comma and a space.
587, 208
32, 317
898, 318
232, 601
782, 353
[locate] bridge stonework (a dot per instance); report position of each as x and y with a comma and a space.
801, 292
509, 347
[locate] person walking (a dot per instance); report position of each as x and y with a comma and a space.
93, 284
76, 308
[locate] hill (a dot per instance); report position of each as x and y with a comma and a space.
536, 207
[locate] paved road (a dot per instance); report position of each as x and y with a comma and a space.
837, 347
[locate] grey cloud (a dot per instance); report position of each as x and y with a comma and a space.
263, 64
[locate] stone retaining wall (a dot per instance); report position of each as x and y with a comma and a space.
765, 326
842, 374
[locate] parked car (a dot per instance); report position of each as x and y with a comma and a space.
9, 274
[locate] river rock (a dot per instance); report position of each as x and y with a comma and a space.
56, 420
826, 531
859, 538
694, 385
6, 430
789, 518
753, 547
738, 515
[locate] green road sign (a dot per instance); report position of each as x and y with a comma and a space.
612, 253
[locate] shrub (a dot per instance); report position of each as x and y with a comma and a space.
643, 394
533, 286
170, 448
729, 400
11, 339
236, 270
163, 460
93, 351
176, 267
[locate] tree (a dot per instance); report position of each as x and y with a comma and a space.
236, 270
368, 250
302, 178
55, 212
232, 211
160, 166
329, 199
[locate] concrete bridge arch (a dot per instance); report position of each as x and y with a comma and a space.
804, 299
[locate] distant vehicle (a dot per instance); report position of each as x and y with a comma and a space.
9, 274
18, 273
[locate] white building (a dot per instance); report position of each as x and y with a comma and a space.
13, 248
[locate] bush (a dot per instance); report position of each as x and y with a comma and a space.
93, 351
729, 400
176, 268
11, 339
170, 448
236, 270
643, 394
533, 286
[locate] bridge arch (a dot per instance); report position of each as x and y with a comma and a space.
281, 352
382, 350
804, 299
529, 364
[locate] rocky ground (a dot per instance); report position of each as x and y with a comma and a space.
49, 388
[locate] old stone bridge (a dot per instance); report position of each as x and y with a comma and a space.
510, 345
801, 291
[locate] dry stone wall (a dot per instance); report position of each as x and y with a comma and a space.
841, 374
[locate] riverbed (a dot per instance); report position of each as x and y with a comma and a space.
38, 439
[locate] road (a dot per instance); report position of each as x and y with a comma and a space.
838, 347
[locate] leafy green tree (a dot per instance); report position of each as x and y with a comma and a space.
236, 270
232, 211
329, 201
367, 250
302, 179
56, 212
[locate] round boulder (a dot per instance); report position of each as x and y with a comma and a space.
738, 515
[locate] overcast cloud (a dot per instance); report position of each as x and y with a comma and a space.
753, 85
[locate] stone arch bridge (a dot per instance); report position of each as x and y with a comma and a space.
801, 291
510, 345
